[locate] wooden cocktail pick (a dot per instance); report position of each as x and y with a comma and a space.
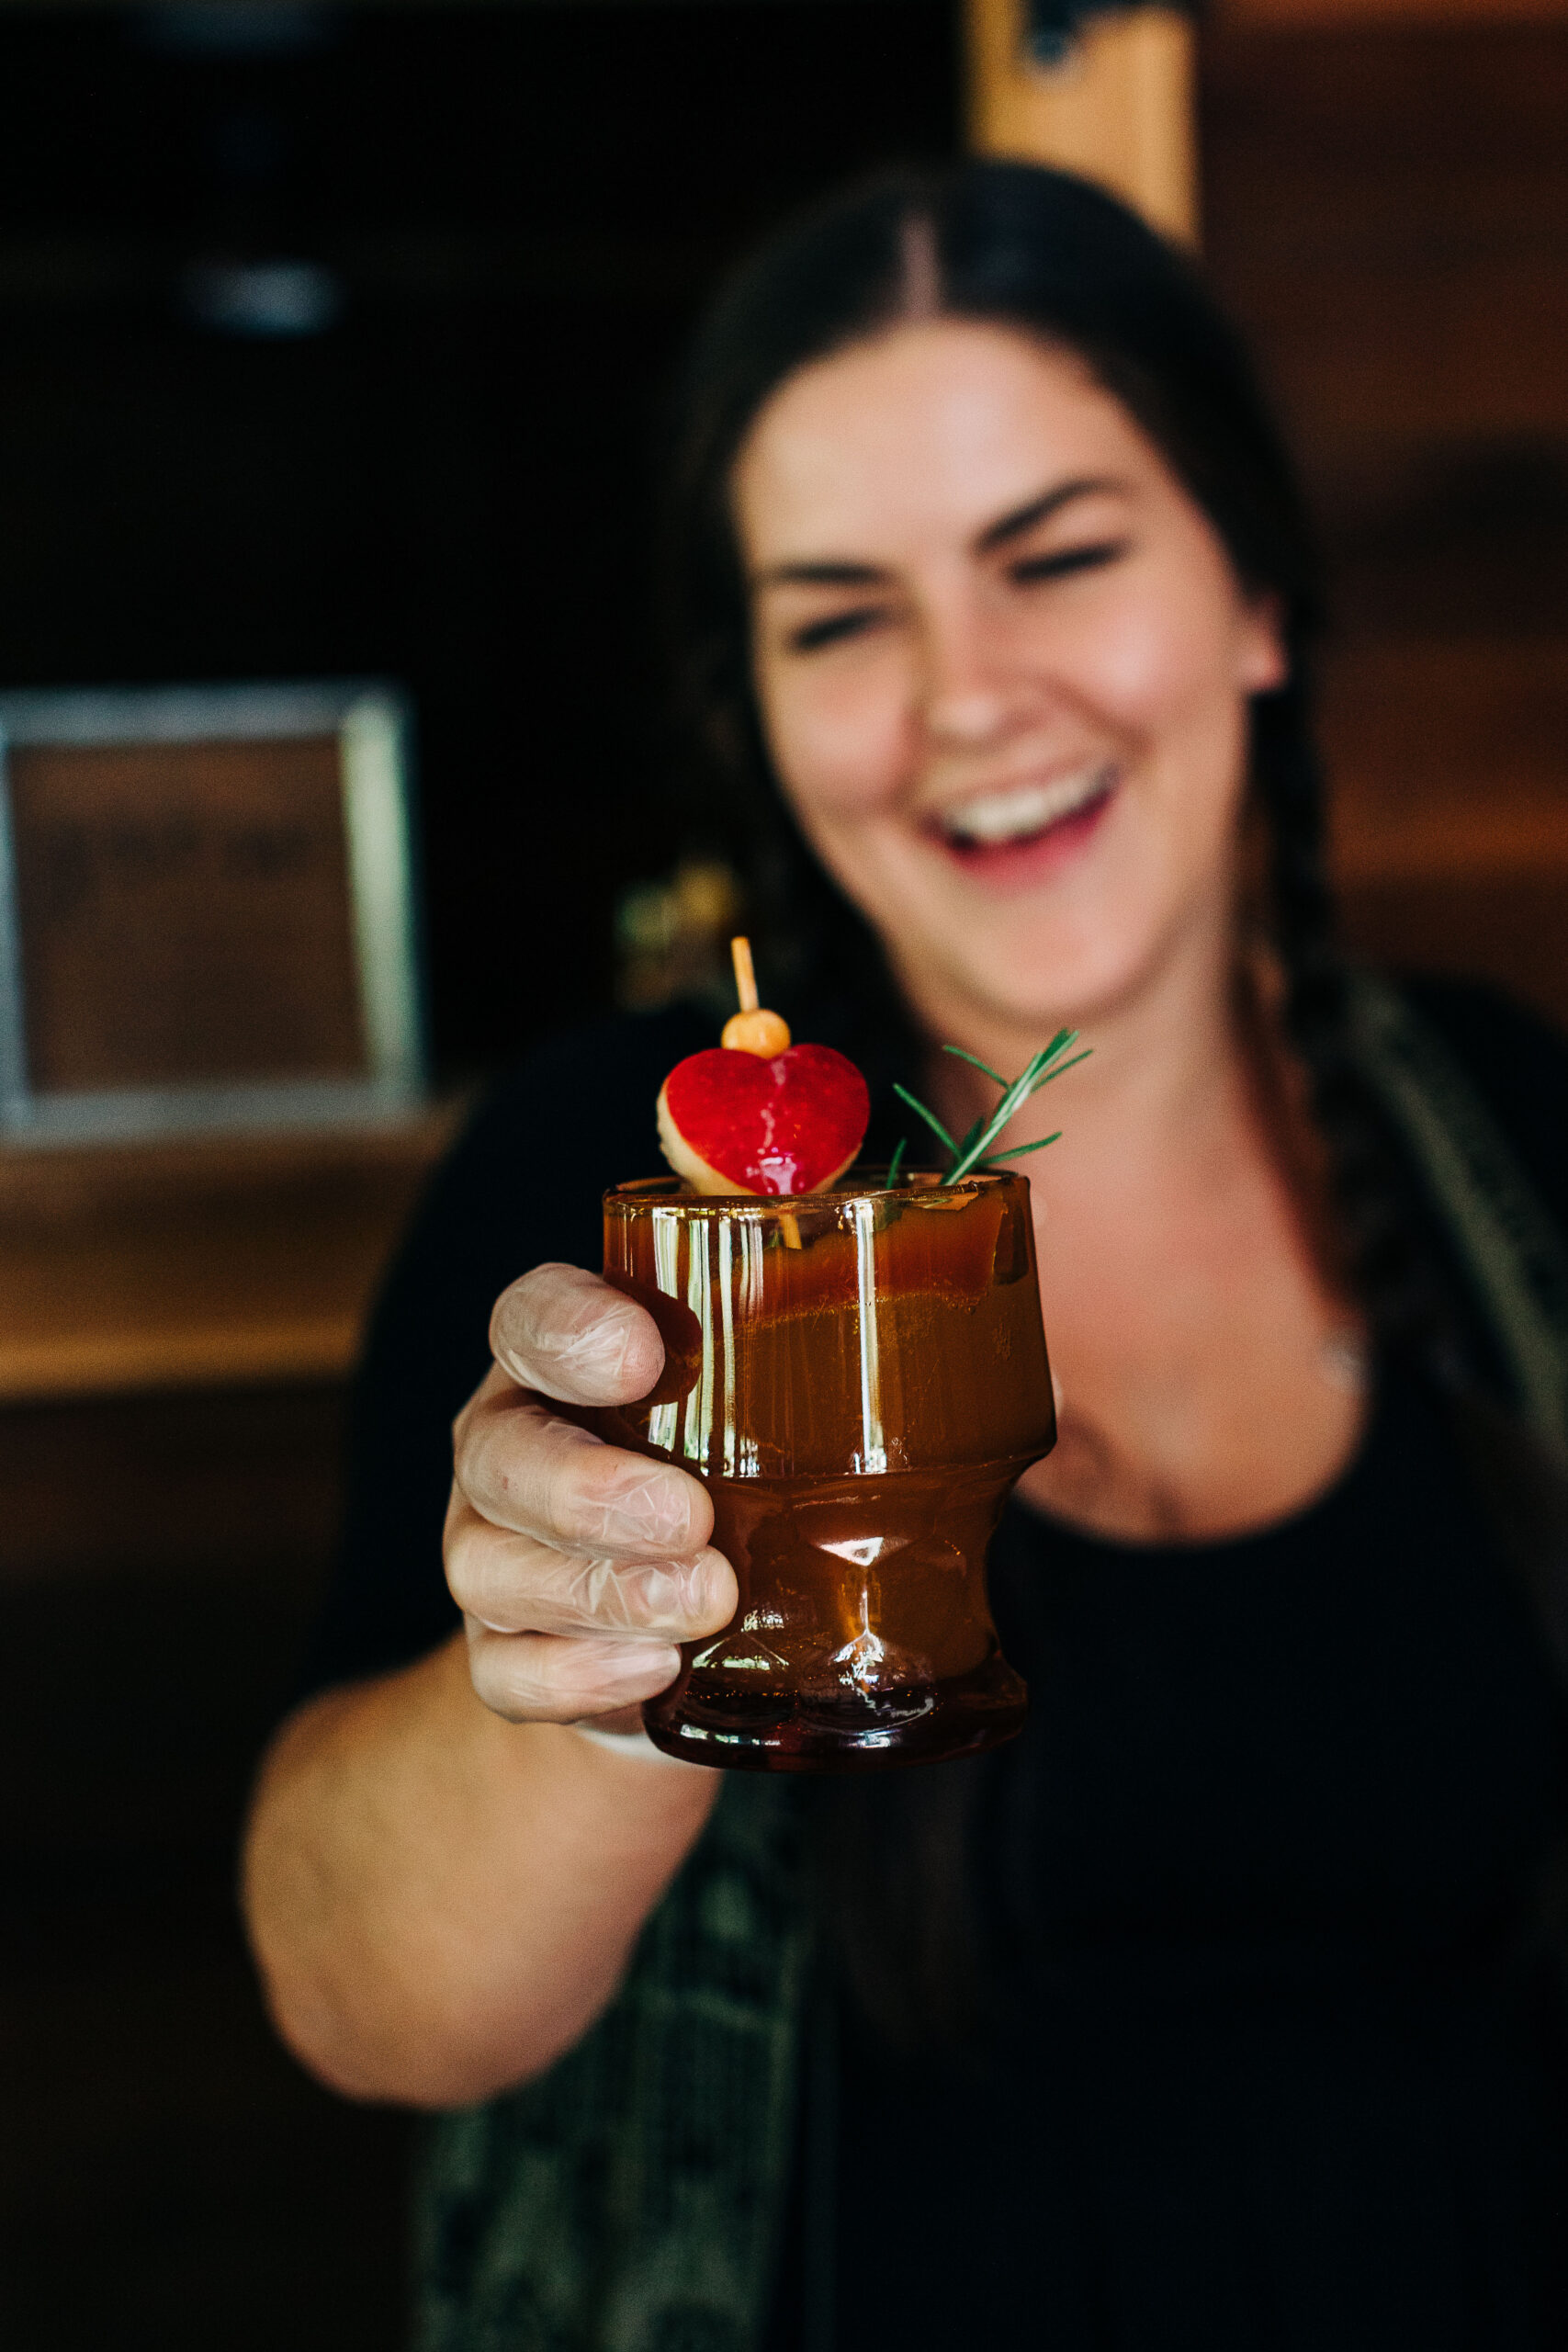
752, 1030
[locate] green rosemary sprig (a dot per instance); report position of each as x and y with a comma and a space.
974, 1150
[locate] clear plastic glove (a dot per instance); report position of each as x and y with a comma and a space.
577, 1566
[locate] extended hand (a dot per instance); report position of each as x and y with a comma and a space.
577, 1566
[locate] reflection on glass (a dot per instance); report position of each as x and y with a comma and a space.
858, 1377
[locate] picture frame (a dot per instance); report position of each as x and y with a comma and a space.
207, 910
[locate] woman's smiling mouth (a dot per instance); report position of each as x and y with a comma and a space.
1015, 835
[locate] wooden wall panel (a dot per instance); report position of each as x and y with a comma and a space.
1116, 107
1387, 212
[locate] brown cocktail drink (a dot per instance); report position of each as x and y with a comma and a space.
858, 1376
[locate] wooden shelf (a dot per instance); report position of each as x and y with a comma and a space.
211, 1262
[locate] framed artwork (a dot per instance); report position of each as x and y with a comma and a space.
207, 910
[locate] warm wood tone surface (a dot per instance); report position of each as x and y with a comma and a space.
187, 912
1453, 757
193, 1264
1118, 108
1387, 212
1350, 14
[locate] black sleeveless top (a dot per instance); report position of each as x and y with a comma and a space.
1271, 2065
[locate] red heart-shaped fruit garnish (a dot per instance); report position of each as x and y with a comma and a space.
732, 1121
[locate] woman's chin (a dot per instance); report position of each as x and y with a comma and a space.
1010, 979
1026, 964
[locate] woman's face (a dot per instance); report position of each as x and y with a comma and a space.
1002, 661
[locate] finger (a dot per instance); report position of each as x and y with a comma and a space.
568, 1334
546, 1678
514, 1585
524, 1469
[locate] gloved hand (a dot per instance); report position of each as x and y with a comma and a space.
578, 1566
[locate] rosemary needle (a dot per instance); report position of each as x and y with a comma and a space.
976, 1150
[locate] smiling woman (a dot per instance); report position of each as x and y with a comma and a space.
977, 685
1212, 2010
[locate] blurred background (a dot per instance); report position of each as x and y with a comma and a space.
330, 343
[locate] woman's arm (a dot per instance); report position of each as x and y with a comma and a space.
442, 1881
441, 1902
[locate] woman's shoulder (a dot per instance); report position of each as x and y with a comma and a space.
575, 1115
602, 1075
1517, 1061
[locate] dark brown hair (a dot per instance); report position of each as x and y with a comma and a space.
1058, 260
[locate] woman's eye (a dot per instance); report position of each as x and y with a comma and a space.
1063, 561
811, 636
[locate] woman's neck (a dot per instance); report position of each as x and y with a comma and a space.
1166, 1075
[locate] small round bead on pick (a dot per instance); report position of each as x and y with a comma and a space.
752, 1030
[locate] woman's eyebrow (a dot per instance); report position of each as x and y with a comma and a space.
1024, 518
824, 573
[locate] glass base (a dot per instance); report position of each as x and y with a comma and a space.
785, 1731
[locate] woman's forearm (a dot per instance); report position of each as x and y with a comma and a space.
441, 1902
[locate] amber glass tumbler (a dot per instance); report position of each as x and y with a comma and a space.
858, 1377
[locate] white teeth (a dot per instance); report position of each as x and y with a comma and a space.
1010, 816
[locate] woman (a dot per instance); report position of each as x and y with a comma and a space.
1208, 2012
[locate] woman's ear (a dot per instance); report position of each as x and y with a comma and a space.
1262, 661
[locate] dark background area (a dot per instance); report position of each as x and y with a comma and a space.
516, 212
506, 217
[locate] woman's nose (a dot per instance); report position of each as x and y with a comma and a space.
968, 715
974, 693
